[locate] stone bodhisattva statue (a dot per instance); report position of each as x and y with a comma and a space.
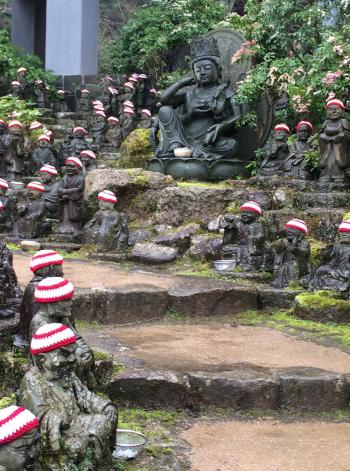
71, 194
292, 256
77, 427
79, 142
245, 237
19, 432
50, 196
200, 118
14, 151
114, 136
44, 264
31, 223
295, 165
276, 152
334, 271
334, 145
88, 159
43, 155
108, 229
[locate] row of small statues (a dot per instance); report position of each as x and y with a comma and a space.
61, 200
59, 424
289, 258
283, 159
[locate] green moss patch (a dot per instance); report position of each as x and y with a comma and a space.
135, 151
322, 300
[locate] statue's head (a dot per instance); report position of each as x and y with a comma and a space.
15, 85
87, 157
39, 84
106, 200
15, 128
43, 141
113, 122
54, 294
295, 229
250, 212
19, 432
206, 63
35, 190
344, 232
47, 263
4, 186
85, 93
335, 109
281, 132
79, 132
73, 165
21, 72
53, 348
304, 130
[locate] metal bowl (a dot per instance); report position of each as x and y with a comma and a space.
129, 444
224, 265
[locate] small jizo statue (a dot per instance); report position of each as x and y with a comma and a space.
8, 207
76, 425
41, 94
79, 142
14, 150
276, 152
3, 142
108, 229
113, 135
43, 155
88, 159
127, 120
334, 272
19, 432
84, 102
334, 145
16, 90
50, 196
245, 237
31, 223
292, 256
146, 121
295, 165
98, 127
44, 264
60, 104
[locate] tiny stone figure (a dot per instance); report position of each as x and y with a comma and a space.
244, 238
31, 224
113, 135
276, 152
71, 194
19, 432
88, 159
3, 142
295, 165
35, 126
76, 425
44, 264
292, 256
22, 79
146, 121
127, 120
151, 101
142, 91
98, 127
65, 151
84, 102
16, 90
14, 151
60, 105
334, 144
43, 155
108, 229
128, 91
9, 287
79, 142
50, 196
5, 213
115, 103
334, 272
41, 94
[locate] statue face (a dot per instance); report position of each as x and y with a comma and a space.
47, 177
281, 135
34, 195
84, 95
334, 112
3, 191
247, 217
60, 309
303, 133
292, 234
20, 454
79, 134
105, 205
205, 72
71, 169
2, 128
43, 144
344, 237
59, 364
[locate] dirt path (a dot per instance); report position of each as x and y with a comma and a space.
269, 446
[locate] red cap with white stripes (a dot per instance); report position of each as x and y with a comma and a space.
297, 224
54, 289
108, 196
15, 422
50, 337
251, 206
45, 258
36, 186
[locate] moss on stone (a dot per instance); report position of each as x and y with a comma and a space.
135, 151
322, 300
316, 249
7, 401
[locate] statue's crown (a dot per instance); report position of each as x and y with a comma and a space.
204, 47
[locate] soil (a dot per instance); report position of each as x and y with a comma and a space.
269, 445
216, 347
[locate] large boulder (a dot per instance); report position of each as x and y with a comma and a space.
180, 238
135, 151
206, 247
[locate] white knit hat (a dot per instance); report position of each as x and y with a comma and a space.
75, 161
88, 153
100, 113
128, 85
44, 137
35, 125
15, 124
297, 224
4, 184
21, 69
53, 289
251, 206
48, 169
50, 337
344, 226
129, 111
107, 195
99, 108
146, 112
36, 186
282, 127
128, 104
15, 422
15, 82
45, 258
113, 119
79, 129
335, 102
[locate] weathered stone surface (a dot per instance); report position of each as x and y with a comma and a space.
27, 245
306, 200
139, 235
150, 253
205, 247
8, 327
206, 297
273, 298
311, 389
180, 239
67, 247
323, 223
149, 389
322, 307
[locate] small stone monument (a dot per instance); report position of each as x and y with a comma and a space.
79, 142
31, 222
114, 135
295, 165
3, 143
50, 196
98, 127
84, 102
14, 151
88, 159
43, 155
276, 152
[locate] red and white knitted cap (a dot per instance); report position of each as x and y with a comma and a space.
113, 119
2, 121
2, 206
15, 124
335, 102
128, 104
53, 289
48, 169
154, 91
133, 79
129, 111
135, 75
4, 184
99, 107
44, 137
282, 127
97, 102
109, 78
75, 161
61, 92
21, 69
297, 224
38, 82
100, 113
251, 206
45, 258
79, 129
143, 76
88, 153
112, 90
146, 113
36, 186
304, 123
35, 125
15, 422
50, 337
128, 85
344, 226
85, 90
107, 195
15, 83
